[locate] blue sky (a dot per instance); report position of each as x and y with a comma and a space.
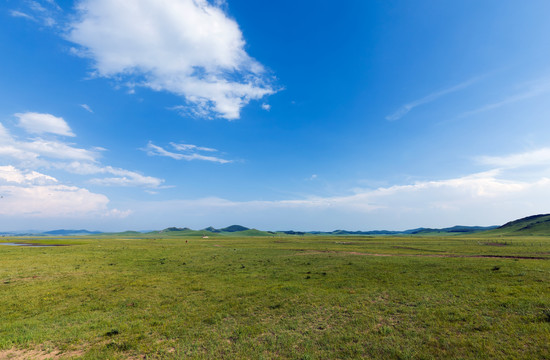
309, 115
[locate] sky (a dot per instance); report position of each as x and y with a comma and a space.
311, 115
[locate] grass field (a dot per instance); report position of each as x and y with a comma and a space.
276, 297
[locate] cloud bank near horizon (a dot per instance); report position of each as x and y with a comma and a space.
491, 195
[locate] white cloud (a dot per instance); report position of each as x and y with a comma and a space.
486, 198
266, 107
87, 108
35, 151
186, 147
123, 177
10, 174
52, 153
58, 150
154, 150
118, 214
29, 193
187, 47
43, 13
402, 111
36, 123
127, 178
479, 199
187, 152
530, 158
20, 14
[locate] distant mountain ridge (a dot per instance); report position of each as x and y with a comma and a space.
530, 225
71, 232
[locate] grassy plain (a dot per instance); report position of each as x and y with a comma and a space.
312, 297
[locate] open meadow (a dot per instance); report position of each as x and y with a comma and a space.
280, 297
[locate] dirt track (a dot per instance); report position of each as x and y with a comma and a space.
427, 255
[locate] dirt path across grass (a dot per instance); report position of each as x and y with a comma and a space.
311, 252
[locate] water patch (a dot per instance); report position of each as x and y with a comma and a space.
27, 244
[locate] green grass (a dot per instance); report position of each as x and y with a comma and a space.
279, 297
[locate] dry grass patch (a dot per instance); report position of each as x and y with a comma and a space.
19, 354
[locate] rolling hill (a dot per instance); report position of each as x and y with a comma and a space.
530, 225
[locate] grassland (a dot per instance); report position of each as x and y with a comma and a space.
173, 297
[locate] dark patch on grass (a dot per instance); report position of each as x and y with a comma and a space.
414, 248
119, 347
112, 332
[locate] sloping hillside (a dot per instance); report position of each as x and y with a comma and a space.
531, 225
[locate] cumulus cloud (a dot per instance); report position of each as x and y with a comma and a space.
37, 123
10, 174
187, 47
30, 193
186, 152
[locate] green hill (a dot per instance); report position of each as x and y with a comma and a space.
249, 232
531, 225
234, 228
455, 230
174, 231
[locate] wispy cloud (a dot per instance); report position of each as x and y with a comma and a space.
16, 13
189, 147
533, 89
34, 153
87, 108
186, 152
189, 47
405, 109
43, 13
122, 177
